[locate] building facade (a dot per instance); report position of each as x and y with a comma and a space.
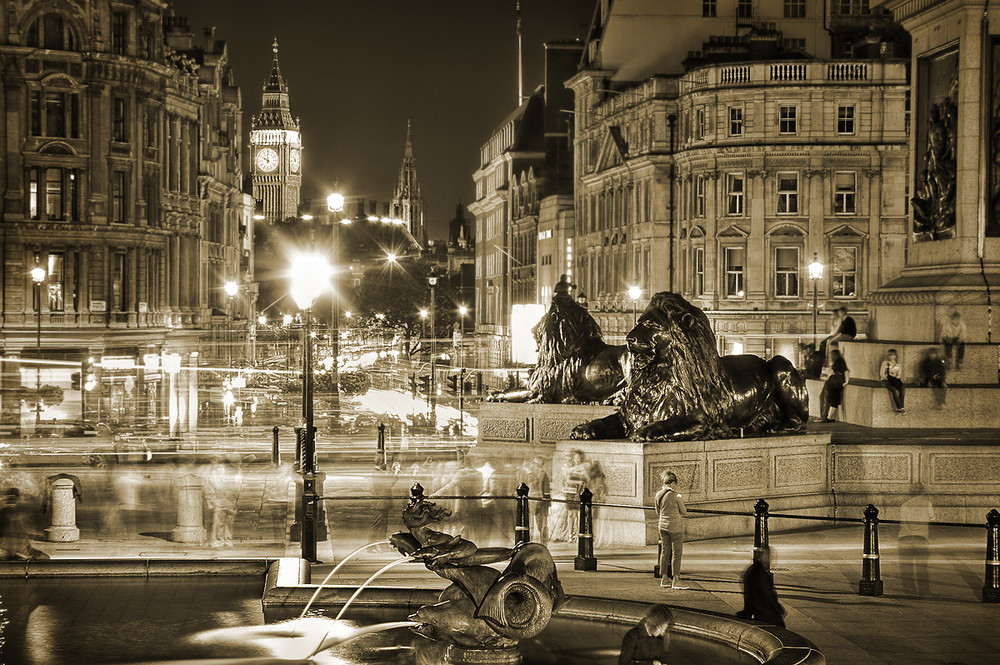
725, 181
276, 149
122, 192
407, 203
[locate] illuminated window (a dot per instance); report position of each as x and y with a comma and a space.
736, 121
118, 283
699, 196
786, 272
699, 271
735, 262
788, 193
845, 192
845, 272
735, 191
54, 281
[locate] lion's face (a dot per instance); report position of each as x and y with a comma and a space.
653, 335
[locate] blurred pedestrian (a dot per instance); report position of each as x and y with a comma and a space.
466, 482
384, 479
934, 375
953, 334
533, 475
14, 543
760, 599
890, 374
914, 541
671, 511
221, 490
648, 642
575, 477
833, 389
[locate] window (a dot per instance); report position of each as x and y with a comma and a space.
33, 211
709, 8
786, 272
55, 113
118, 295
787, 117
54, 194
119, 119
795, 8
744, 9
50, 31
845, 192
788, 193
736, 121
699, 271
734, 271
119, 196
845, 272
735, 191
845, 119
119, 33
56, 278
699, 196
793, 43
700, 123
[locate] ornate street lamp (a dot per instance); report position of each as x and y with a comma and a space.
310, 275
231, 288
335, 204
37, 277
432, 280
634, 292
815, 274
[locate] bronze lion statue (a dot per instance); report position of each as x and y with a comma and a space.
679, 388
575, 366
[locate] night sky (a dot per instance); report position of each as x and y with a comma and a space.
358, 70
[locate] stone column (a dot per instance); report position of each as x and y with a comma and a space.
756, 279
63, 506
190, 525
185, 163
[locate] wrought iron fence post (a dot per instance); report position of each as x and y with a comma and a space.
991, 585
760, 539
585, 559
522, 526
380, 458
871, 582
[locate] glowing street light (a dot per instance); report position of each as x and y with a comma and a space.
37, 277
423, 314
815, 274
335, 202
286, 320
634, 292
390, 257
262, 320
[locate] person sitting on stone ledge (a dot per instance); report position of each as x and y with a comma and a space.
648, 642
890, 374
953, 333
934, 373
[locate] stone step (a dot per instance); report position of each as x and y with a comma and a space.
958, 406
864, 359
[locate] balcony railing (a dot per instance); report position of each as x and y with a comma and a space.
786, 73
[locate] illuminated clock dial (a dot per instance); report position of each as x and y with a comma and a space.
294, 159
267, 160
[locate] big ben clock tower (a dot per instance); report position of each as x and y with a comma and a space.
276, 150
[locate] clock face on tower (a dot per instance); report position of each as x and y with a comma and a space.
267, 160
294, 160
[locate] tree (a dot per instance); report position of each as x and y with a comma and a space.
400, 291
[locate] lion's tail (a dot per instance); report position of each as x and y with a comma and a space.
792, 395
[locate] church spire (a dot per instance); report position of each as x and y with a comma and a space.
275, 82
408, 150
407, 203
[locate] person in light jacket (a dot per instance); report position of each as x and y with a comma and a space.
671, 510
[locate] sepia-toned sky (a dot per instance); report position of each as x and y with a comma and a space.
358, 70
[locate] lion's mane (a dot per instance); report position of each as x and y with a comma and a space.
684, 376
566, 336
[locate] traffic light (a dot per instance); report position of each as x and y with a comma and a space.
425, 384
88, 371
453, 384
74, 380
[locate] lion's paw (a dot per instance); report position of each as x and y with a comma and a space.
582, 432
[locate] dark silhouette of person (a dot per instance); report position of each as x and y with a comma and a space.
760, 600
648, 642
933, 374
914, 541
14, 543
833, 389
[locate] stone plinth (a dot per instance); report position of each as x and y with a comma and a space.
730, 474
865, 358
961, 480
533, 428
63, 528
190, 524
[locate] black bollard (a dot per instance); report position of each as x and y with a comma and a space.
275, 451
871, 582
657, 573
760, 540
380, 458
585, 559
991, 586
522, 527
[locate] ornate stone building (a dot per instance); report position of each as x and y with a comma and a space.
407, 203
724, 181
122, 187
276, 149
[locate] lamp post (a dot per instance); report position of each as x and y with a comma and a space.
423, 325
309, 273
634, 292
432, 280
815, 274
335, 204
231, 288
462, 311
37, 277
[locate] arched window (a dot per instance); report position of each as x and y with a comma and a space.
51, 31
55, 109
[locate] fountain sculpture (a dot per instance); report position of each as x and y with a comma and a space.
484, 612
